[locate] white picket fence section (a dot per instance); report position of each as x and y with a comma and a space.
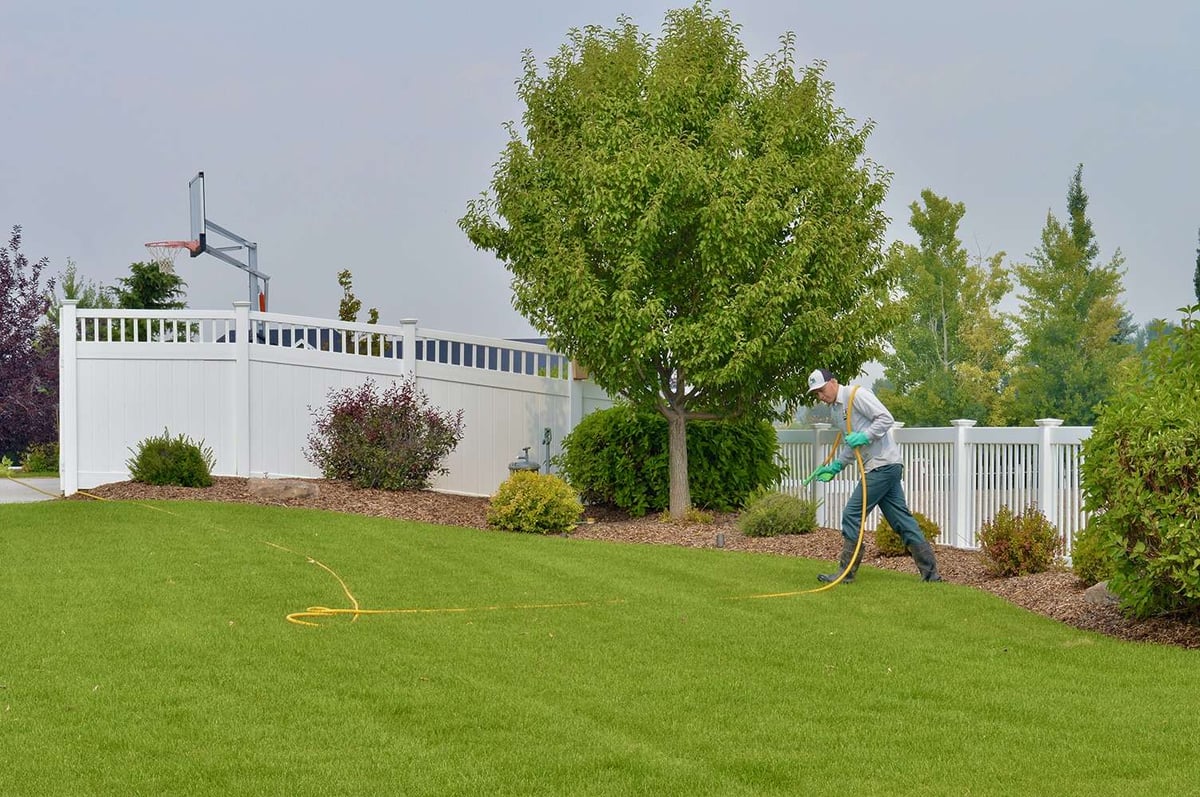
960, 476
246, 384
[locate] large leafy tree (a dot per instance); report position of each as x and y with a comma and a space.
1070, 324
28, 352
948, 356
697, 232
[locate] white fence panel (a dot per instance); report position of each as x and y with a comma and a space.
959, 476
247, 384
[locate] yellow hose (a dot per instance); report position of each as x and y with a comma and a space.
862, 522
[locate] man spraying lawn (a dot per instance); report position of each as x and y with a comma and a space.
867, 436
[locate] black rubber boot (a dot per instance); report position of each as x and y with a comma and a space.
922, 554
848, 547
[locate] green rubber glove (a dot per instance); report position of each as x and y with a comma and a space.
856, 439
824, 473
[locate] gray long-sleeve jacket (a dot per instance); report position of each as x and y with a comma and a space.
872, 417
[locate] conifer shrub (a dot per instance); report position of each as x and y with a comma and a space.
393, 439
1017, 545
770, 513
1141, 477
619, 457
171, 460
537, 503
889, 542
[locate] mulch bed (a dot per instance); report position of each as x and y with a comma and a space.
1055, 594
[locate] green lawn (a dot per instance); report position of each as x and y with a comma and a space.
146, 650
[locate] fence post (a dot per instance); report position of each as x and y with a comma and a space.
1047, 480
962, 488
68, 399
818, 486
409, 325
241, 389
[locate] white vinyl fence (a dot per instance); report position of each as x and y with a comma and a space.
960, 476
246, 384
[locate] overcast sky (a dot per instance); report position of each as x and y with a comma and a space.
352, 135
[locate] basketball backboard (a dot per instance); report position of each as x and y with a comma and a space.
199, 217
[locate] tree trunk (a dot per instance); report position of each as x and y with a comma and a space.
681, 498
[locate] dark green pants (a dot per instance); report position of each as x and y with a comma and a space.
884, 491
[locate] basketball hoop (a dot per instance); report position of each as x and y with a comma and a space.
163, 253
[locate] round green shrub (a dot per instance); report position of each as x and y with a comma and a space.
1091, 559
770, 513
1017, 545
619, 457
539, 503
167, 460
1141, 476
889, 543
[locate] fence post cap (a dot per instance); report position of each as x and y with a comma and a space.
963, 422
1049, 421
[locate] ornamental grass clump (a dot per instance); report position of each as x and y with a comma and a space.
768, 514
171, 460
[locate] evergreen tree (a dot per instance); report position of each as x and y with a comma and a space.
149, 286
948, 357
1196, 278
1070, 322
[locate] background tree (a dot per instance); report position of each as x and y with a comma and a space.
28, 353
85, 292
1152, 331
350, 305
698, 234
150, 286
348, 309
1070, 324
948, 356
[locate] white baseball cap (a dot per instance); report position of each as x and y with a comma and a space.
817, 379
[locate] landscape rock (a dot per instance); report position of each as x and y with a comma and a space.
282, 489
1101, 595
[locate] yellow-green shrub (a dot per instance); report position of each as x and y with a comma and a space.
539, 503
889, 543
